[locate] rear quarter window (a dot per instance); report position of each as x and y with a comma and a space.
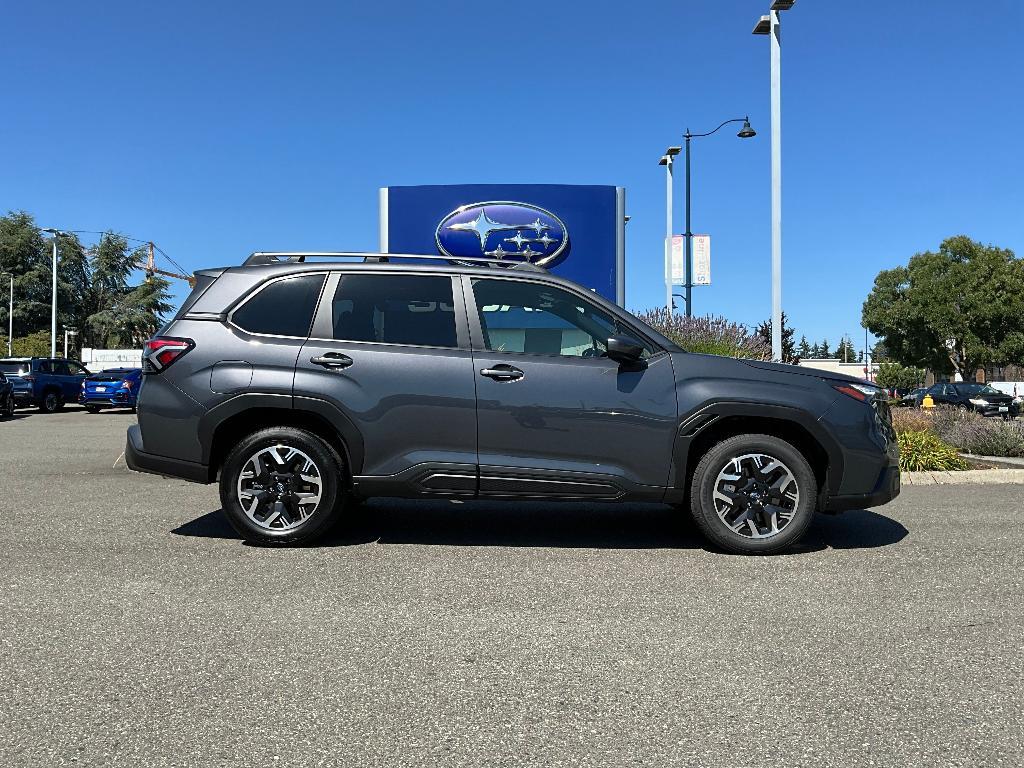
284, 307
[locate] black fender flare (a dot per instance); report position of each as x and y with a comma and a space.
699, 420
330, 414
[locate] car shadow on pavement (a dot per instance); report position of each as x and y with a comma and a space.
539, 524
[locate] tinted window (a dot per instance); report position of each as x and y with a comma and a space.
19, 368
76, 369
541, 320
395, 309
60, 367
283, 308
43, 366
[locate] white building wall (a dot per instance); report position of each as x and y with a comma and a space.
101, 359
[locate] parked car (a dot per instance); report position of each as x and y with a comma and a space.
46, 382
986, 400
304, 385
911, 398
112, 388
6, 396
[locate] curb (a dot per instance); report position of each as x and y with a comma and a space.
967, 477
1002, 462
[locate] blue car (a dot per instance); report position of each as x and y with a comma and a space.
45, 382
113, 388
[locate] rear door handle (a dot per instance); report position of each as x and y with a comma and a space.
333, 360
502, 373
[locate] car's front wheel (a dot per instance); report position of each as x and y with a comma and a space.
282, 486
753, 494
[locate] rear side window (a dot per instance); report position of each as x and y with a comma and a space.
415, 310
283, 308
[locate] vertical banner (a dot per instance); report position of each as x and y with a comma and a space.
678, 257
702, 259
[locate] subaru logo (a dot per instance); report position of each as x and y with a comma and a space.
505, 231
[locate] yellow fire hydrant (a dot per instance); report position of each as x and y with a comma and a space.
927, 402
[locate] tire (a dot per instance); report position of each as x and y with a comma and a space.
51, 402
286, 459
92, 408
764, 498
8, 409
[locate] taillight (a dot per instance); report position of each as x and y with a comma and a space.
161, 352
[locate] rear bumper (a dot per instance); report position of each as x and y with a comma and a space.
137, 459
123, 402
886, 489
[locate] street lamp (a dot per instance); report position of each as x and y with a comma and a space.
745, 132
68, 331
667, 160
769, 25
53, 303
10, 318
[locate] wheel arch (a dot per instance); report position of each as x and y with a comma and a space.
221, 428
715, 423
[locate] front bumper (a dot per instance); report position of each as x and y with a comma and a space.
886, 489
993, 410
137, 459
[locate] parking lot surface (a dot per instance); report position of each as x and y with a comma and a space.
136, 629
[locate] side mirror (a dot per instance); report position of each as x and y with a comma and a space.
624, 349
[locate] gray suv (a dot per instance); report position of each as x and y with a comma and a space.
304, 385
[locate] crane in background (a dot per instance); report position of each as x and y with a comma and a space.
152, 269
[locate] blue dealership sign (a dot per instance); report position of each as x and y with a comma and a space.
575, 231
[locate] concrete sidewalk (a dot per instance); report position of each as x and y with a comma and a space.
968, 477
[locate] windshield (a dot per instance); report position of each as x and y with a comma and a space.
977, 389
17, 368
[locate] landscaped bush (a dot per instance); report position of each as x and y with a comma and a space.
708, 335
924, 451
912, 420
971, 432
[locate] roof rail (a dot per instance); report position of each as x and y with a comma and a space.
297, 257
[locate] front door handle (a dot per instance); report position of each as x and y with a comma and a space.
502, 373
333, 360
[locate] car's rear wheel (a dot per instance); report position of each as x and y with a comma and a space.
8, 409
52, 402
753, 494
282, 486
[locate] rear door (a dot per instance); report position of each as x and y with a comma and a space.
555, 417
389, 351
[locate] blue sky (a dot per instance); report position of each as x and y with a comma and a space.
216, 129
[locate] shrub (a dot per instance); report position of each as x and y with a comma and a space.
911, 420
708, 335
972, 433
925, 451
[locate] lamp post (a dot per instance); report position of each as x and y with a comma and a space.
745, 132
10, 319
769, 25
667, 160
53, 304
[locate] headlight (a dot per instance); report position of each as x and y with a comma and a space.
979, 401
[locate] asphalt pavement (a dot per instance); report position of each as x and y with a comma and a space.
137, 630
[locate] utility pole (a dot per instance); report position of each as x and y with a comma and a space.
53, 302
667, 159
10, 321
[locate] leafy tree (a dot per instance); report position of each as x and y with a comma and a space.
816, 350
823, 349
892, 375
844, 351
958, 309
764, 330
803, 349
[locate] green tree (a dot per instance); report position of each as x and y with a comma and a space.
803, 349
957, 309
764, 330
823, 349
892, 375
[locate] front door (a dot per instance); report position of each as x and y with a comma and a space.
390, 353
554, 416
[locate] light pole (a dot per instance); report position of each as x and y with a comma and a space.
10, 319
667, 160
68, 332
769, 25
53, 304
745, 132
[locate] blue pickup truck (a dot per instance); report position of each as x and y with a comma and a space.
45, 382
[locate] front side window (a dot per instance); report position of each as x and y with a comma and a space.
283, 308
537, 319
415, 310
